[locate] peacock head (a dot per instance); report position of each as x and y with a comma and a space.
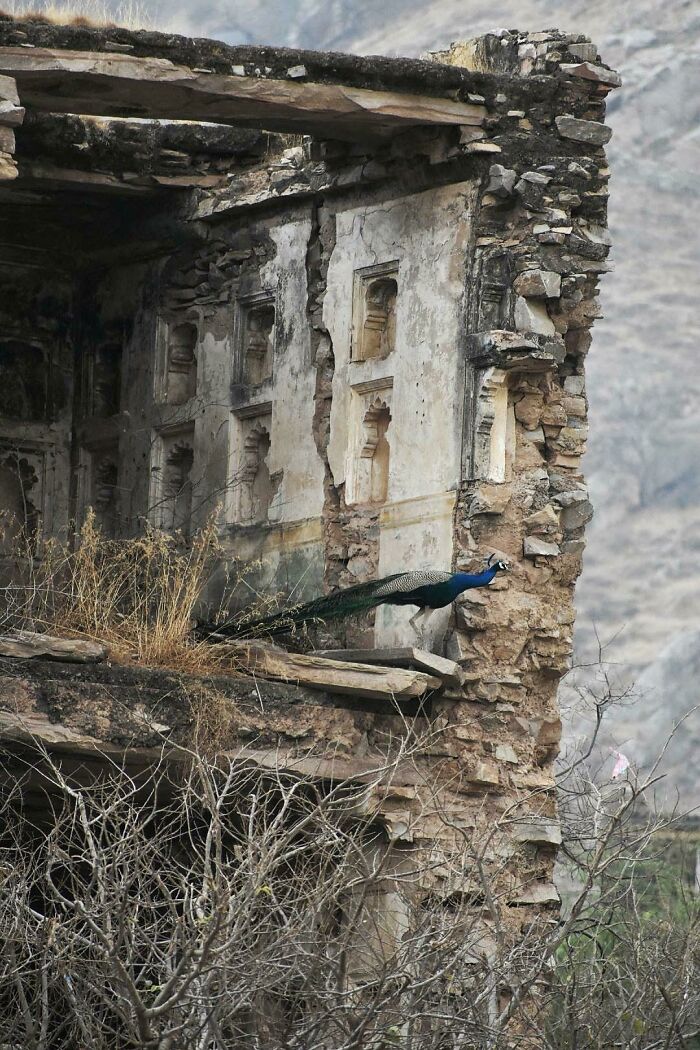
500, 565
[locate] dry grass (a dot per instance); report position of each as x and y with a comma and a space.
127, 14
138, 596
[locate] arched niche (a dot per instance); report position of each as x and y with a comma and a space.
24, 374
375, 297
256, 487
103, 495
494, 433
379, 327
106, 382
369, 473
181, 377
172, 485
19, 513
258, 342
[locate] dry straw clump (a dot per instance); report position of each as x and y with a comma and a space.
138, 596
128, 14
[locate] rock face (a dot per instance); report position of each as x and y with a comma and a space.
362, 356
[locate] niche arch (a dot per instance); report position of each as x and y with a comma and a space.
181, 374
375, 297
369, 464
256, 486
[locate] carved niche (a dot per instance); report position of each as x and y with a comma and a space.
106, 380
368, 469
20, 501
173, 482
255, 487
256, 338
24, 381
104, 473
494, 432
492, 304
181, 363
374, 311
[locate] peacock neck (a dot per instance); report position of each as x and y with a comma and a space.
462, 581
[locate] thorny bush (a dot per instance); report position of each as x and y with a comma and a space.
220, 906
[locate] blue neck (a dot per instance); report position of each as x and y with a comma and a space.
462, 581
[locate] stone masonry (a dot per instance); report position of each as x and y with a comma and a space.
349, 316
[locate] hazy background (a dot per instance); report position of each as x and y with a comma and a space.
640, 589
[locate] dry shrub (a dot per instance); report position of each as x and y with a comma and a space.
138, 596
213, 719
127, 14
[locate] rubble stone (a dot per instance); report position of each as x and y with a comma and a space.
534, 547
532, 317
590, 132
538, 284
502, 180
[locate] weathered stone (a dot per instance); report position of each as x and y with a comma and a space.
568, 497
546, 518
538, 284
588, 131
7, 140
506, 753
535, 547
529, 408
297, 72
576, 515
490, 499
539, 832
482, 771
554, 414
588, 71
586, 52
562, 460
502, 181
532, 317
8, 90
538, 178
10, 114
538, 893
8, 167
574, 385
29, 645
575, 406
535, 437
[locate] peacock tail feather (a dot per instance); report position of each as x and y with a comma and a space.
394, 589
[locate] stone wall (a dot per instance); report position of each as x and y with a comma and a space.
363, 356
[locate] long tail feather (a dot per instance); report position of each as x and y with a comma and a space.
329, 607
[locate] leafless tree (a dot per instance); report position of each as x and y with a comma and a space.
217, 905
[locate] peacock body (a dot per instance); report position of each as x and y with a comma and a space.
425, 588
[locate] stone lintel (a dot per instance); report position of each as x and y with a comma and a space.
107, 84
515, 351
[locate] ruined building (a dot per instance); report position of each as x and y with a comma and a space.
344, 304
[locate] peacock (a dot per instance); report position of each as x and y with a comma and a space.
428, 589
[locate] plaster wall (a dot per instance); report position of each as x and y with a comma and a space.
293, 454
423, 378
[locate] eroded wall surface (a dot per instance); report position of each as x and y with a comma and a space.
364, 357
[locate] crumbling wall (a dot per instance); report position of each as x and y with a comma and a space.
36, 380
368, 356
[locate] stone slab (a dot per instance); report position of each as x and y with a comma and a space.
449, 671
114, 84
28, 645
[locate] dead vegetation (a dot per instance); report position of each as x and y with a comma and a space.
137, 596
127, 14
223, 907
